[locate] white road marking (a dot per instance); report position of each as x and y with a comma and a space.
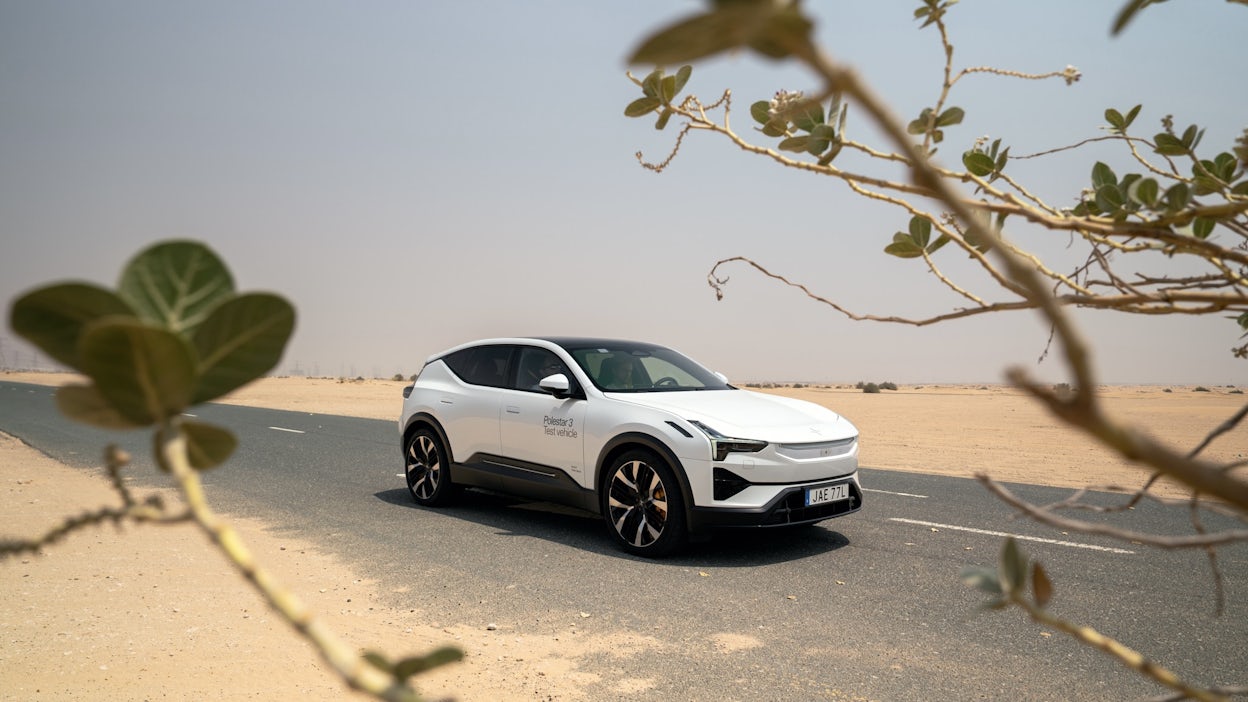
292, 431
1020, 537
890, 492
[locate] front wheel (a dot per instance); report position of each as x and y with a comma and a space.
428, 479
643, 506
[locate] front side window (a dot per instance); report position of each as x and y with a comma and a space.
481, 365
643, 368
533, 364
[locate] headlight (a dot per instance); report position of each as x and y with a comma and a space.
722, 445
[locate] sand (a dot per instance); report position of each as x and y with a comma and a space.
156, 613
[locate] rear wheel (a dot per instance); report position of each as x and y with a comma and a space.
642, 504
428, 479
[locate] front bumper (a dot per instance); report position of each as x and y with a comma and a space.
788, 508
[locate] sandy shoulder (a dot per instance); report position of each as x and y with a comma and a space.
156, 612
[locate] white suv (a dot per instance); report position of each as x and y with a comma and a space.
661, 447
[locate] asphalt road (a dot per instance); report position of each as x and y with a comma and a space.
869, 606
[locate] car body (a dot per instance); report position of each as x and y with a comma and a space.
661, 447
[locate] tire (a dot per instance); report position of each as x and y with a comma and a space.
428, 479
643, 506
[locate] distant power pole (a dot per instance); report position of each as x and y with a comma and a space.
4, 363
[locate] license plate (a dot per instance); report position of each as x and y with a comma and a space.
827, 493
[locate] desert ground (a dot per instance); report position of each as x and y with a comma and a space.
155, 613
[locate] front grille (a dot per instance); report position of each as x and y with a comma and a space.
793, 510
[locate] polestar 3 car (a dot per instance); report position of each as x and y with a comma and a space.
661, 447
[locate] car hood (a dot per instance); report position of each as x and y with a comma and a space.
743, 414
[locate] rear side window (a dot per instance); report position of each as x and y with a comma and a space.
481, 365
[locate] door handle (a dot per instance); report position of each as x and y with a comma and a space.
511, 409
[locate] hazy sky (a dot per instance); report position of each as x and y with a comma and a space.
413, 175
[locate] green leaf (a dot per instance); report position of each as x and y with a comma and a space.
1168, 145
919, 126
642, 106
242, 340
920, 230
1241, 189
1144, 191
774, 129
1103, 175
1177, 196
84, 403
701, 36
1202, 227
53, 318
175, 284
1041, 586
682, 77
207, 446
1131, 115
661, 122
783, 29
650, 85
1191, 137
903, 246
761, 111
1013, 567
669, 88
978, 163
950, 117
796, 144
146, 373
1115, 119
983, 579
408, 667
807, 116
1109, 199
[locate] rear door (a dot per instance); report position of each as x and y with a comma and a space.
470, 415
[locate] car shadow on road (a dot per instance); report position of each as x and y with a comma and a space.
586, 531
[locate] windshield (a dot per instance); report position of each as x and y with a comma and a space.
625, 367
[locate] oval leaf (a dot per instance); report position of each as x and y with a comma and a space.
207, 445
175, 284
903, 246
950, 117
650, 85
699, 36
146, 373
795, 144
1103, 175
53, 318
978, 163
761, 111
920, 230
642, 106
1144, 191
1013, 568
241, 341
682, 77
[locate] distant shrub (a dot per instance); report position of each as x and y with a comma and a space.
798, 385
870, 387
888, 386
1167, 390
1201, 388
1237, 391
397, 376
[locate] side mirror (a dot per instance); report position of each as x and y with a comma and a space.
556, 385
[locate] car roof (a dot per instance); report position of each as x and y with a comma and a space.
565, 342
